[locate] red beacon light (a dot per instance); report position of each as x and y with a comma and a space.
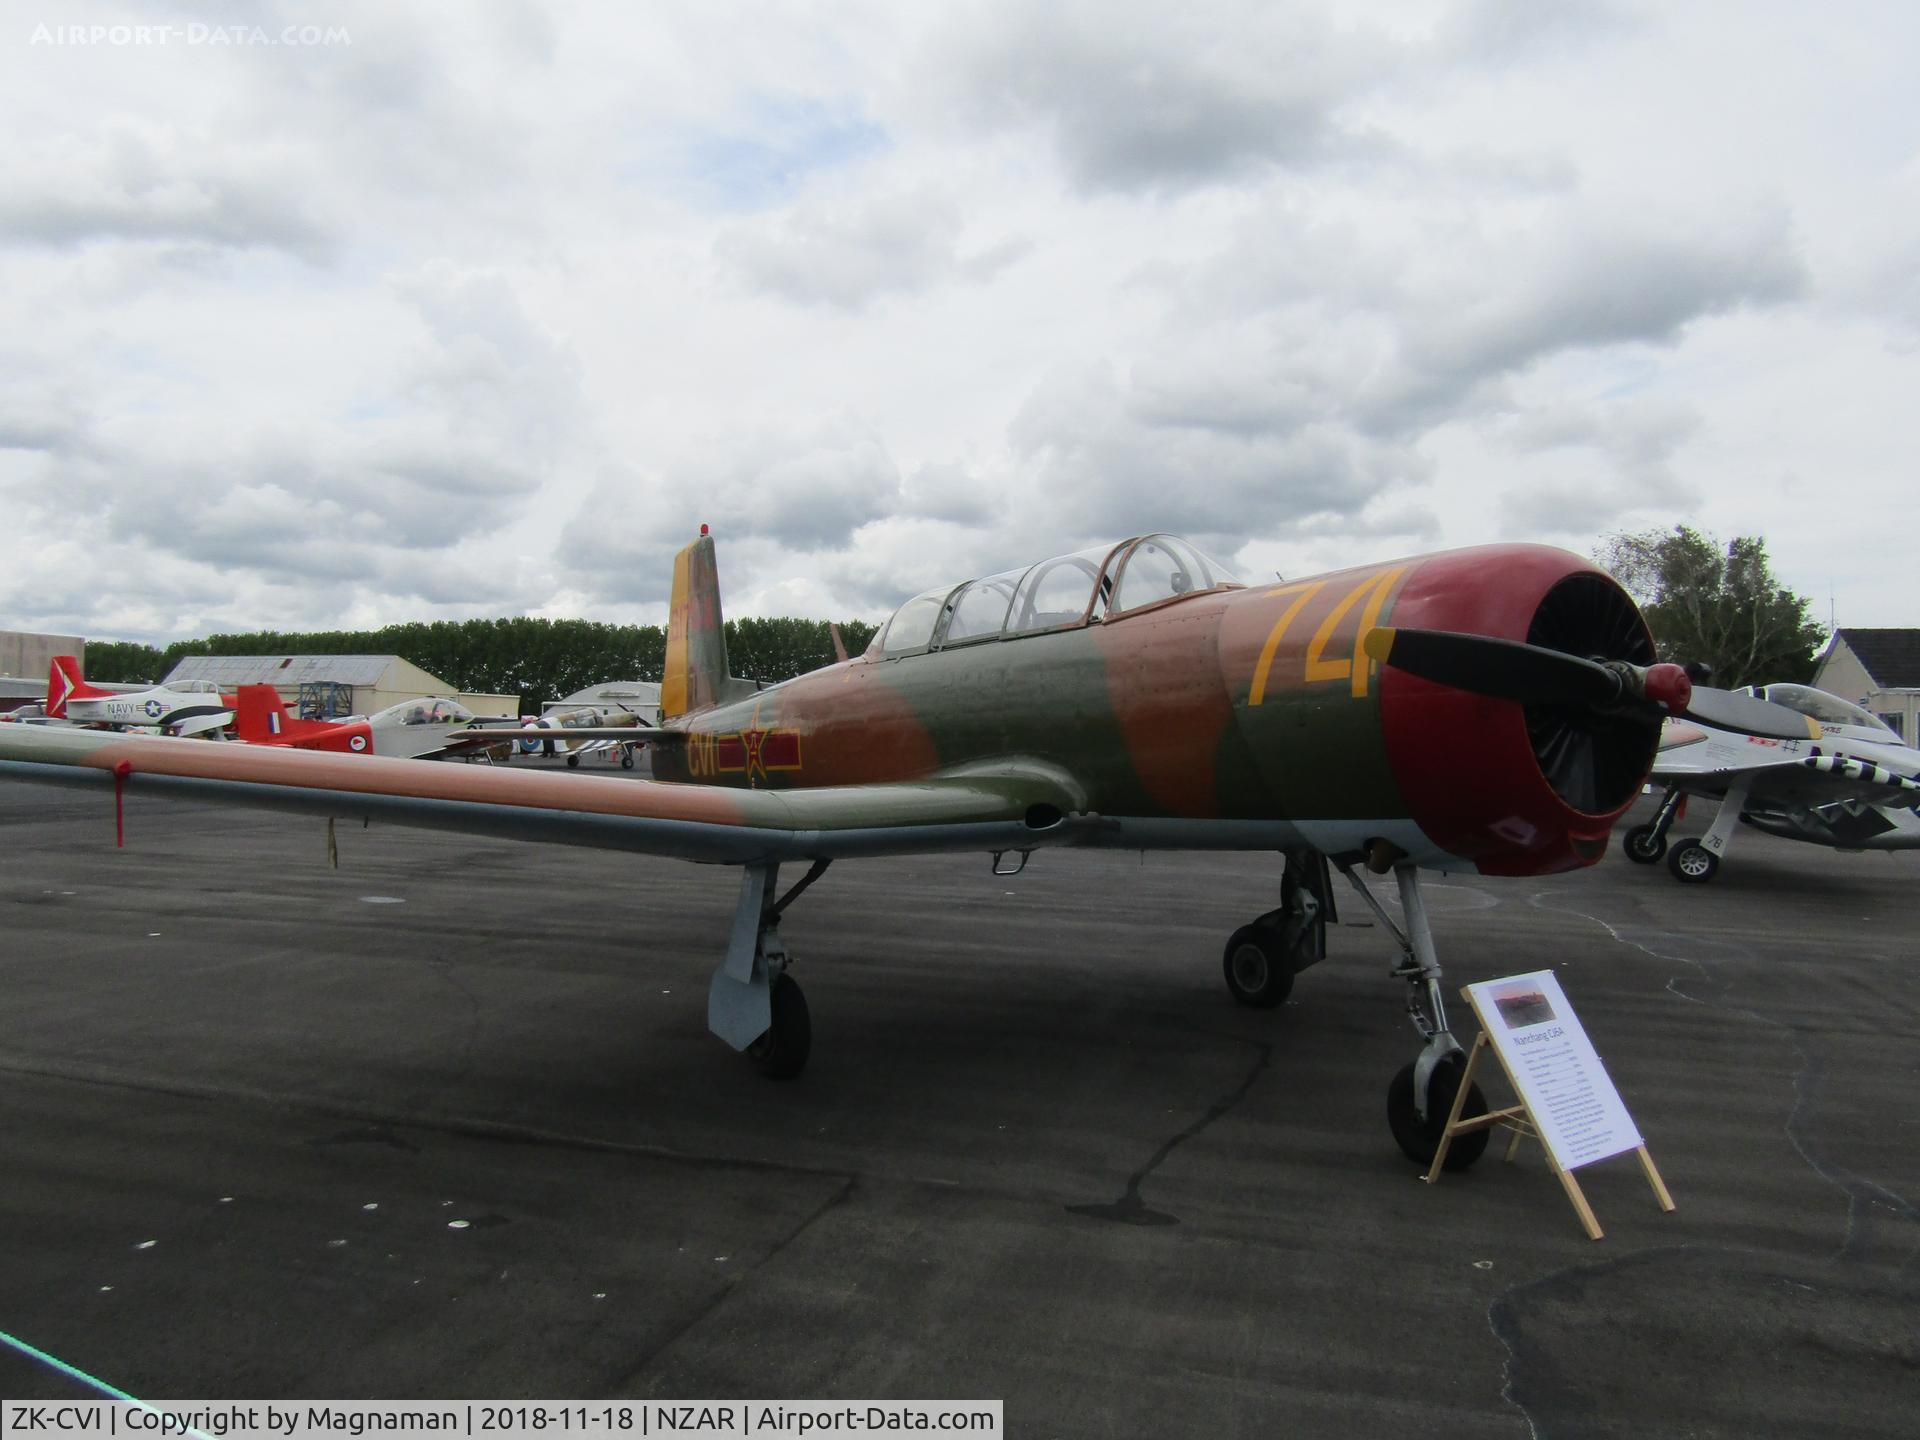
703, 529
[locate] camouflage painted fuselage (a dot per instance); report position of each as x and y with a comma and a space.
1246, 718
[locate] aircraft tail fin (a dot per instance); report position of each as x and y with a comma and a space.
64, 683
260, 717
696, 676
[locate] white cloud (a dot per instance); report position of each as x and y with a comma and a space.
848, 250
490, 314
1148, 96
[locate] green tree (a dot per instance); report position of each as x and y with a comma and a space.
1718, 605
536, 659
780, 648
122, 662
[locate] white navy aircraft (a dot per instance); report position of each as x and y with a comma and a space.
1848, 782
184, 712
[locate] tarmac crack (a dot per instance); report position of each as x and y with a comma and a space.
1130, 1209
1547, 1390
725, 1291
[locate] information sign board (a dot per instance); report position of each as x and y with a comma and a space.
1568, 1094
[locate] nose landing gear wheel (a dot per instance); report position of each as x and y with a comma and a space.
1419, 1139
1257, 969
1643, 845
1693, 864
782, 1052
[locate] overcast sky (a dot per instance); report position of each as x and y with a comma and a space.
481, 309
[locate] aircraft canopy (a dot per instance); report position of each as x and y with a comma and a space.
429, 710
1819, 705
1056, 594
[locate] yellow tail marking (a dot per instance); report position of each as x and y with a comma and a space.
673, 679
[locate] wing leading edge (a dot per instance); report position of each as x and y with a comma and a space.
1011, 806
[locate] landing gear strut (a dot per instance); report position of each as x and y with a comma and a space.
1421, 1095
753, 1003
1695, 862
1262, 958
1645, 844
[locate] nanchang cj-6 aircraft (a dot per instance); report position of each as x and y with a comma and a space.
1831, 773
1491, 710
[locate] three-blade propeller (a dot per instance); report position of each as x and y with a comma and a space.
1537, 675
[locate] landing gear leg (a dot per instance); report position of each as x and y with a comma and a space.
753, 1003
1421, 1094
1695, 862
1645, 844
1262, 958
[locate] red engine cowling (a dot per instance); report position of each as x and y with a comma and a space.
1517, 789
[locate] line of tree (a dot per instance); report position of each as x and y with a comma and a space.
1718, 605
538, 660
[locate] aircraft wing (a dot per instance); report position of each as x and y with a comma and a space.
1709, 761
1005, 807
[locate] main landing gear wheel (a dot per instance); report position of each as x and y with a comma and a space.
1693, 864
782, 1052
1258, 969
1644, 845
573, 762
626, 761
1419, 1139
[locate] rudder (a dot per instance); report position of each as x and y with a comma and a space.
259, 716
64, 683
696, 677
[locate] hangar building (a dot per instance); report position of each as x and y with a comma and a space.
24, 660
1877, 669
323, 687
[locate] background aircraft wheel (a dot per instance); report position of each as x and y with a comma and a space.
1693, 864
626, 762
573, 762
1417, 1138
781, 1053
1643, 847
1258, 972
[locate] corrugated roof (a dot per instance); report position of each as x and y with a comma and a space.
1892, 657
225, 670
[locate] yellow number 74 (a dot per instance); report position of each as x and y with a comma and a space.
1374, 588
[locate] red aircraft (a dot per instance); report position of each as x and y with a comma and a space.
1491, 710
260, 718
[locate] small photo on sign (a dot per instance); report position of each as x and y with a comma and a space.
1522, 1005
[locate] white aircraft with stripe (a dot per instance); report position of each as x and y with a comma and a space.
1850, 784
185, 712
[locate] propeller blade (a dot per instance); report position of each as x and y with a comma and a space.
1748, 716
1502, 669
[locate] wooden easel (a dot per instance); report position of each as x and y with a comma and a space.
1519, 1119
